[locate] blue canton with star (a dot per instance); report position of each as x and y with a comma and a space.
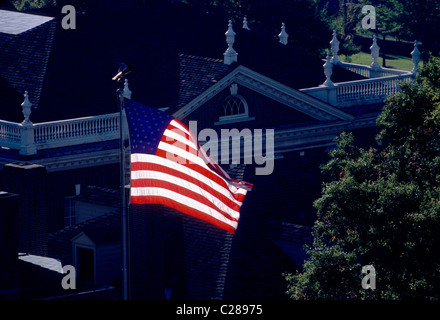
146, 126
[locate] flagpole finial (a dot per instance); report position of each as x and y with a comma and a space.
126, 92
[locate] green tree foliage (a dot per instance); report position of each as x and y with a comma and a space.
342, 16
382, 207
420, 20
23, 5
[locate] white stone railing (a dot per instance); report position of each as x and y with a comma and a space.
82, 130
370, 72
29, 137
362, 92
380, 83
10, 134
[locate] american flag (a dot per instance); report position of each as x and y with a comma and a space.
169, 167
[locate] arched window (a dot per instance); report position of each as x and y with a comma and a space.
234, 108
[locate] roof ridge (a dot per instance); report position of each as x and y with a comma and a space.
196, 57
89, 222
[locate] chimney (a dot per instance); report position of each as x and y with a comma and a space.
29, 181
230, 55
9, 277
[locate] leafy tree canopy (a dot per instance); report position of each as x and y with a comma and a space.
382, 207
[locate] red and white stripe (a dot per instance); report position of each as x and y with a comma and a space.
182, 176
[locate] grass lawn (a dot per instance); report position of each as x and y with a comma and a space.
392, 61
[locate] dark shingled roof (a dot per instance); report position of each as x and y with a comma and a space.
197, 74
23, 62
100, 196
103, 229
169, 61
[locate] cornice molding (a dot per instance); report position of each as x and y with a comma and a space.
270, 88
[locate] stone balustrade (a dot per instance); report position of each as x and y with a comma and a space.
28, 138
380, 83
361, 92
369, 72
10, 134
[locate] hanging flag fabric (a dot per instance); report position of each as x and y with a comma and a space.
169, 167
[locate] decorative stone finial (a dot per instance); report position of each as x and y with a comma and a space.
335, 48
415, 54
126, 93
283, 34
233, 89
328, 70
375, 53
230, 55
26, 108
245, 24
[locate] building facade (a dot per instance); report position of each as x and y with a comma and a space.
65, 172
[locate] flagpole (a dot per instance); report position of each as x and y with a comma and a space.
124, 216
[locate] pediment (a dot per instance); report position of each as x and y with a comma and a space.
83, 240
270, 88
